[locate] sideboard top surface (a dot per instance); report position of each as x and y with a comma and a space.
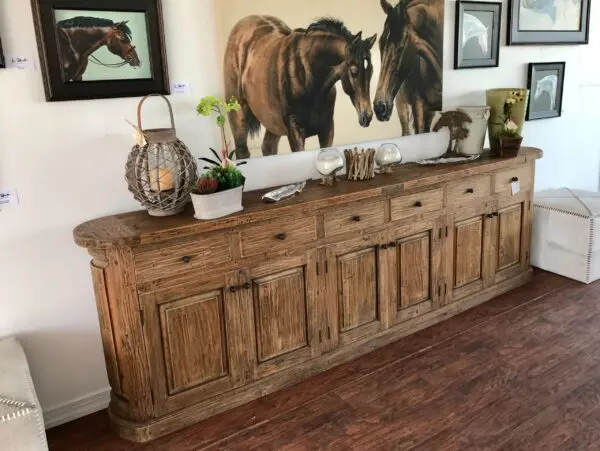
131, 229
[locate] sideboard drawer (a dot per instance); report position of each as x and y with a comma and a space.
504, 179
168, 259
414, 204
354, 217
276, 235
469, 190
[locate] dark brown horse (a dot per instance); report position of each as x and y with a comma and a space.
80, 37
411, 63
285, 80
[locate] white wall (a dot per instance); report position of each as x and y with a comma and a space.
66, 160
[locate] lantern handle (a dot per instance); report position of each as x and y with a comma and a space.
139, 110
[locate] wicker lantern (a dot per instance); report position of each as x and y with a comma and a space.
161, 171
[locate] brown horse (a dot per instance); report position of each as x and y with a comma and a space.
80, 37
285, 80
411, 63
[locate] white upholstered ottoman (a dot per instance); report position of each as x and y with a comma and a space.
21, 421
565, 237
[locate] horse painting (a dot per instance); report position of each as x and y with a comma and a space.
80, 37
411, 48
285, 80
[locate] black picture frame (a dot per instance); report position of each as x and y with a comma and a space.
516, 36
2, 59
59, 89
536, 90
462, 7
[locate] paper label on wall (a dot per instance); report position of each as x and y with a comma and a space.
515, 187
20, 62
180, 87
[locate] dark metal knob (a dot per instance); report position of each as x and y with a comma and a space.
515, 179
392, 244
281, 236
384, 246
418, 204
496, 214
470, 190
491, 215
233, 289
187, 259
247, 286
356, 218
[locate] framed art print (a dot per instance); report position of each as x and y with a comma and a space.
548, 21
477, 34
91, 49
546, 84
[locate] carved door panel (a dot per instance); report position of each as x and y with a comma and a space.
470, 250
280, 301
353, 272
415, 265
512, 224
195, 341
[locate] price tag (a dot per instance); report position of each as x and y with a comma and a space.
515, 187
20, 62
180, 87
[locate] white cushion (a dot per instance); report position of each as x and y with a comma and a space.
21, 421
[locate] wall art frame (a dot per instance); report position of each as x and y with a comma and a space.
477, 34
545, 82
528, 26
101, 48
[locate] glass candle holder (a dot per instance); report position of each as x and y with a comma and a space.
386, 156
328, 163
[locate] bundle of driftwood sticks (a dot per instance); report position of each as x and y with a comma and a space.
360, 164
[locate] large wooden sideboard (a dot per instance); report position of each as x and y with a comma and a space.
199, 317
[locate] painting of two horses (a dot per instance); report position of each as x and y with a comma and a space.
323, 74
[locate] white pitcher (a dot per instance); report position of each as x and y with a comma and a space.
473, 144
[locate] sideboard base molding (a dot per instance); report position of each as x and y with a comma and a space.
146, 431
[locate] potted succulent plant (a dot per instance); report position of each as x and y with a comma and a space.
506, 141
218, 191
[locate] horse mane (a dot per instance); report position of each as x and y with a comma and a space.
331, 25
92, 22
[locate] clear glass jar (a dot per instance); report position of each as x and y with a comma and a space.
328, 163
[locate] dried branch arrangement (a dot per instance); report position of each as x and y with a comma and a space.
360, 164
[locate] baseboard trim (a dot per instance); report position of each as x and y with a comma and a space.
77, 408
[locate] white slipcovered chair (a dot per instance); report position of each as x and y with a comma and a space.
21, 421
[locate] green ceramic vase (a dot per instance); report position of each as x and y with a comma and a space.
495, 100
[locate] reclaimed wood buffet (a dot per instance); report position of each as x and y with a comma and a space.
198, 317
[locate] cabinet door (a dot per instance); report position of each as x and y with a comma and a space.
512, 223
355, 287
470, 253
415, 265
195, 341
279, 300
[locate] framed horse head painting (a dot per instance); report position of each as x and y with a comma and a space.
329, 73
101, 48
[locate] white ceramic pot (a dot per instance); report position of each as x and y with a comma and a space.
217, 205
473, 144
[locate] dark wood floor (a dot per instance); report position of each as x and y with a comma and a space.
521, 372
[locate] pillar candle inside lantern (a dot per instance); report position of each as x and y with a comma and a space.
161, 179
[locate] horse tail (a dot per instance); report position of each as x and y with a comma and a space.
253, 124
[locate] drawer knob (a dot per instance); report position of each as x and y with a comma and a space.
281, 236
491, 215
384, 246
356, 218
187, 259
515, 179
418, 203
496, 214
247, 286
470, 190
393, 244
233, 289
